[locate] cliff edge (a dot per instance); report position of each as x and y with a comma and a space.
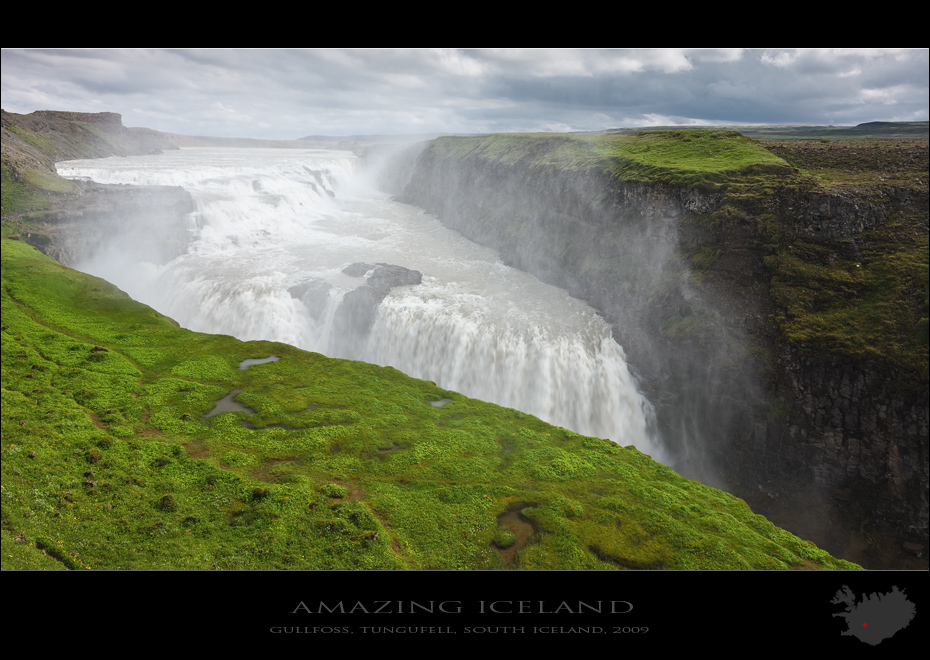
68, 219
772, 298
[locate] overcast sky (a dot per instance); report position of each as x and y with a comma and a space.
286, 94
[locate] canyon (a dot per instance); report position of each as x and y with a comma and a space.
774, 313
828, 440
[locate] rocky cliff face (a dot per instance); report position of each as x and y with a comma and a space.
857, 433
830, 445
70, 220
73, 135
148, 222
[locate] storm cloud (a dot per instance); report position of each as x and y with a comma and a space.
286, 94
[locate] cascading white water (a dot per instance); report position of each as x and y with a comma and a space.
273, 224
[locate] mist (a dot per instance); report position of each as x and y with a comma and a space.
619, 247
295, 246
288, 245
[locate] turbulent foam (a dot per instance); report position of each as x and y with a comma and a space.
578, 380
270, 220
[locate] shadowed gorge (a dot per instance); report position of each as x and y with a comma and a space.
695, 266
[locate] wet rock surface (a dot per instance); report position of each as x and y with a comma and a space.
358, 310
312, 293
148, 222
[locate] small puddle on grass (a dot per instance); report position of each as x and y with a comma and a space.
229, 404
245, 364
440, 403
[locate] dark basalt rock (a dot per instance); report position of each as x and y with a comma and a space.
357, 312
312, 293
357, 269
384, 277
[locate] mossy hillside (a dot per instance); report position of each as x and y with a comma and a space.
858, 166
875, 130
30, 184
691, 158
109, 460
565, 152
873, 305
31, 146
30, 191
865, 296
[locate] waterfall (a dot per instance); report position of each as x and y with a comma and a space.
271, 240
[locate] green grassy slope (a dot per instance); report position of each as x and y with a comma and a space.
862, 295
32, 144
109, 461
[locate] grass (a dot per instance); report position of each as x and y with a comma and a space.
33, 193
873, 306
689, 158
108, 461
859, 165
533, 149
682, 157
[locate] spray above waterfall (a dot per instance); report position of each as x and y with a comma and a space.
284, 241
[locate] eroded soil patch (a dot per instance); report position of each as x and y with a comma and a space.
517, 524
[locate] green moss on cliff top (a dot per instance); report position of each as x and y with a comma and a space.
110, 460
860, 165
685, 157
566, 152
690, 158
871, 305
861, 294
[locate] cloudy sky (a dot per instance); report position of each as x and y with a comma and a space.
286, 94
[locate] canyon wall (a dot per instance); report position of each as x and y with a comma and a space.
830, 445
148, 222
71, 220
826, 441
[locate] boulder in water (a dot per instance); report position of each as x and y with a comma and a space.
357, 312
312, 293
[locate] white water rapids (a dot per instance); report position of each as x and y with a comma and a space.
271, 222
